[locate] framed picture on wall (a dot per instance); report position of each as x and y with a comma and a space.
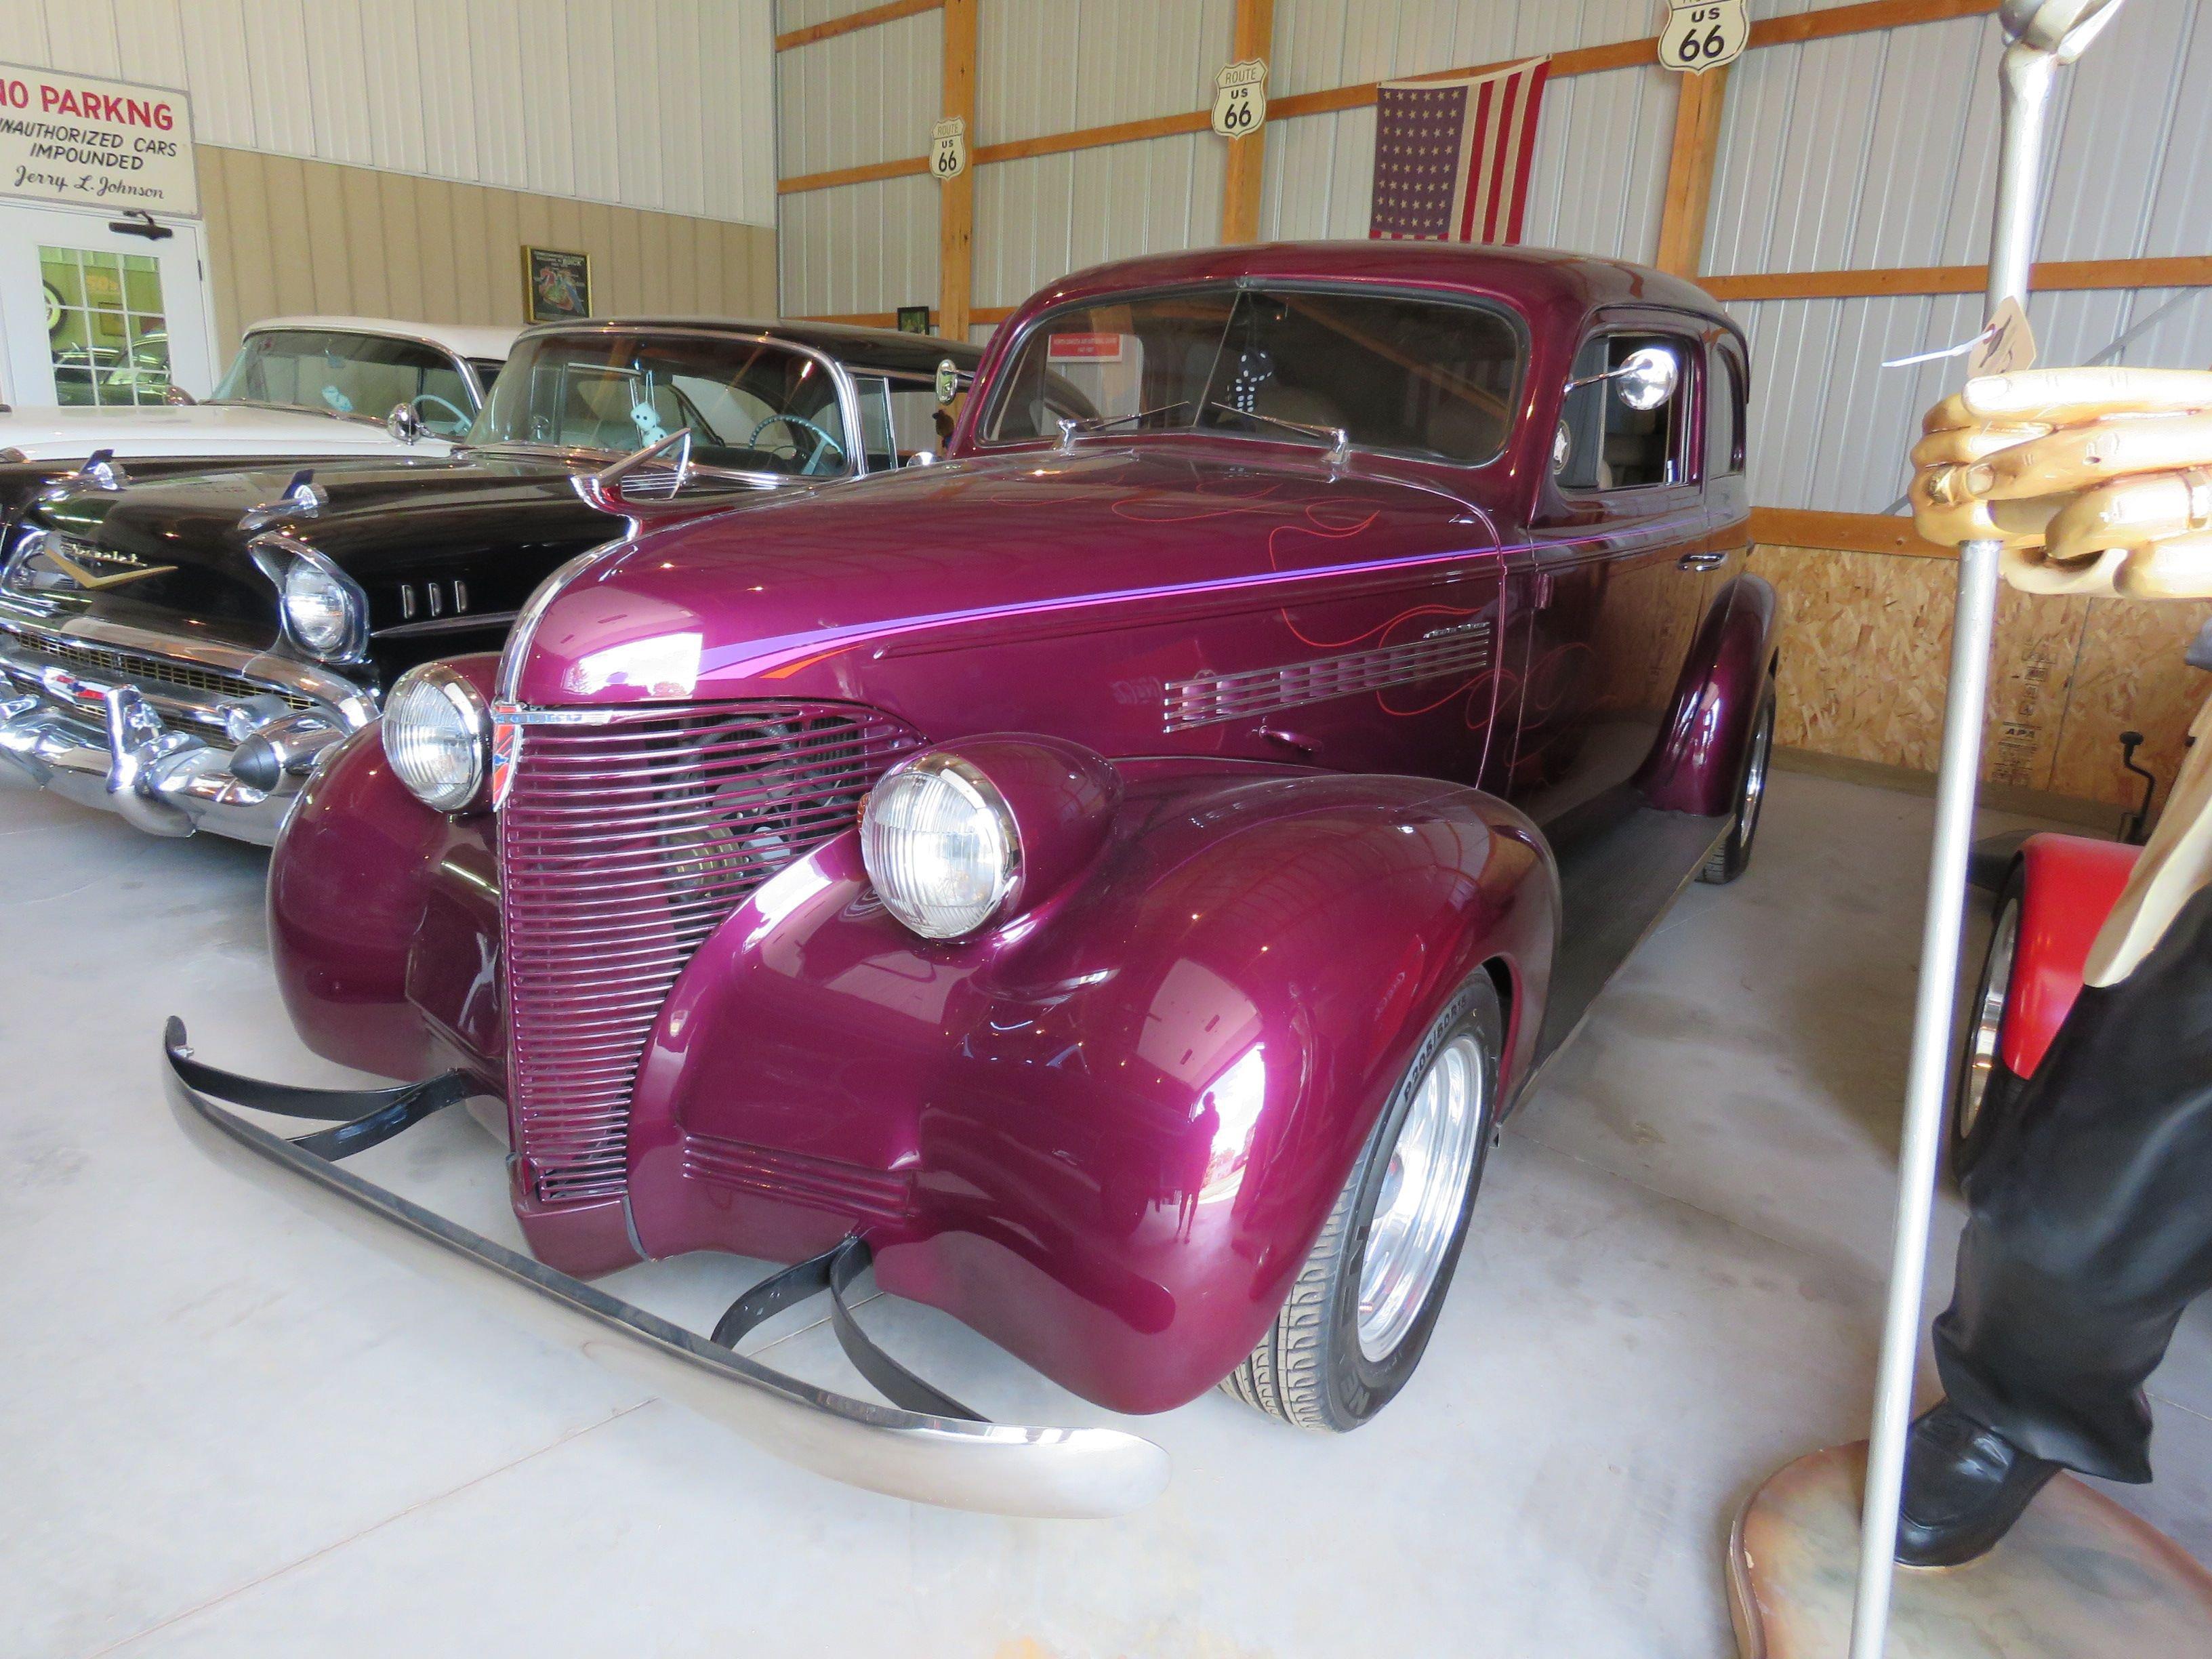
557, 286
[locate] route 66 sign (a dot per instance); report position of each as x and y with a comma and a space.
948, 157
1703, 34
1240, 98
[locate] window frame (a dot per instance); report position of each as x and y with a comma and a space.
1492, 306
1684, 466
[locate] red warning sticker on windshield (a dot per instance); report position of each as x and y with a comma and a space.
1085, 347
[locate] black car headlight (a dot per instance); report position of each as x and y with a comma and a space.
437, 735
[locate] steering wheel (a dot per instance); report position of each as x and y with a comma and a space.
460, 415
807, 466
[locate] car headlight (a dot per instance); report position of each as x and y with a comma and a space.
323, 611
940, 845
437, 735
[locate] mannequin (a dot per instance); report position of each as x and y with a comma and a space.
2091, 1225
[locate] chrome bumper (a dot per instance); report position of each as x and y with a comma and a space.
1066, 1473
162, 752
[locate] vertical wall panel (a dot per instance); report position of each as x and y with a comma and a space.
668, 106
286, 236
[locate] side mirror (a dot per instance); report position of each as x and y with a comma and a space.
405, 423
922, 457
1647, 377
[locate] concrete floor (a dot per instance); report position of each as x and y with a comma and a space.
231, 1430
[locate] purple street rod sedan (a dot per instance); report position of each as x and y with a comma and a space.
1114, 879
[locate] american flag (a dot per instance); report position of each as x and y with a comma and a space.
1451, 157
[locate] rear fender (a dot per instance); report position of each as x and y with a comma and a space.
2069, 885
1106, 1134
1700, 758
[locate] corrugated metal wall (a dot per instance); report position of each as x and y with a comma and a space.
854, 99
1866, 151
665, 106
1877, 150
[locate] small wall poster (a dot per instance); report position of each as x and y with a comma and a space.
914, 319
1703, 34
557, 286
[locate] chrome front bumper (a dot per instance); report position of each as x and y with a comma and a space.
155, 728
1064, 1474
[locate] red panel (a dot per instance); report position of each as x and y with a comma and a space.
2069, 886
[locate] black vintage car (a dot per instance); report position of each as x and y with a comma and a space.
181, 650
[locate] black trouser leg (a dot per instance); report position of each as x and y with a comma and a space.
2092, 1218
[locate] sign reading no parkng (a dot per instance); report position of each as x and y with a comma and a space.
73, 139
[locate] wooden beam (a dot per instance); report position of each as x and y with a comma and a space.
857, 20
1121, 132
2193, 270
1851, 532
1254, 36
905, 166
1579, 60
956, 198
1857, 19
1690, 164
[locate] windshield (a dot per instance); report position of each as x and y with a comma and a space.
344, 374
752, 407
1425, 377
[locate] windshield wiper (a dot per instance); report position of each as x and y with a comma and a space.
1069, 428
1341, 438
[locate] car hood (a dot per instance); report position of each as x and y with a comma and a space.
957, 554
381, 522
210, 429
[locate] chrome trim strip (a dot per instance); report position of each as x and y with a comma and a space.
461, 621
357, 705
1054, 1473
1462, 648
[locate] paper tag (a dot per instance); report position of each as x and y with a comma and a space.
2006, 346
949, 147
1240, 98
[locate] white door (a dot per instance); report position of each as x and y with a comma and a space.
91, 315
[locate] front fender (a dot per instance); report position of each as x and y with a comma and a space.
2069, 885
1106, 1134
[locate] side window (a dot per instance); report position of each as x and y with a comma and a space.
1724, 414
1602, 443
876, 424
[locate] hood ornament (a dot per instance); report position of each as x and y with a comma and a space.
103, 472
300, 500
643, 485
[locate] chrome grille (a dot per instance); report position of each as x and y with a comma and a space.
135, 668
623, 846
1462, 649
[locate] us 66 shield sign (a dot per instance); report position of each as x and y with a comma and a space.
948, 148
1703, 34
1240, 98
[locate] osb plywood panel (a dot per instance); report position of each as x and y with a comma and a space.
1866, 643
2130, 675
286, 235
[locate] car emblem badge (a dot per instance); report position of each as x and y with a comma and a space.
506, 750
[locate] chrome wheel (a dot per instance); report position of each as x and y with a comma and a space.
1754, 777
1989, 1018
1424, 1189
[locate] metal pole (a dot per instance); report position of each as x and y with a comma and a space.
2028, 71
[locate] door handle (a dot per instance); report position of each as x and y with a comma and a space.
1701, 561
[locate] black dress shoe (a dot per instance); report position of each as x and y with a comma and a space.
1965, 1485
